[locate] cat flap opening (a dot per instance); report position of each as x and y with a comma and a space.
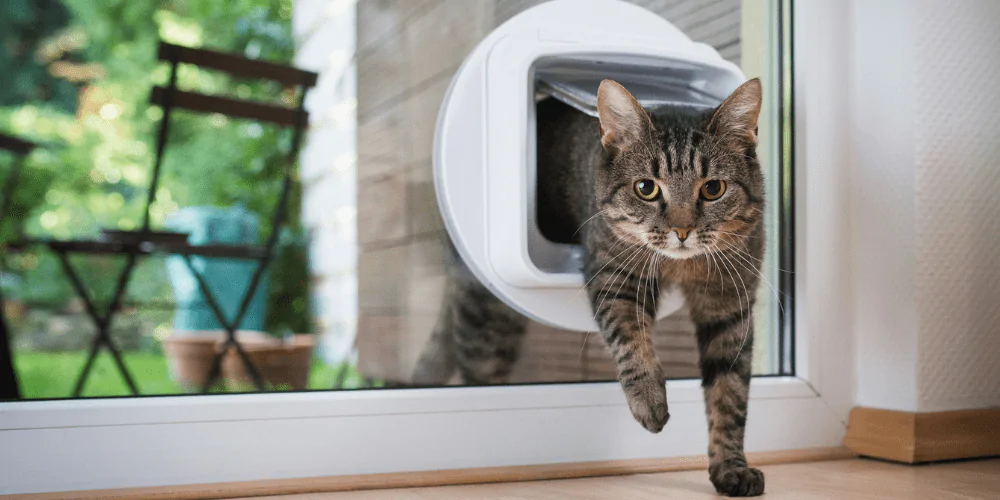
485, 142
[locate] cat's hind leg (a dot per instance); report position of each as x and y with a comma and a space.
476, 334
436, 364
487, 337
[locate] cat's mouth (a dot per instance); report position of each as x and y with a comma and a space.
680, 253
669, 245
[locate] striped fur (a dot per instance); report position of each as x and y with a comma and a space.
476, 334
633, 249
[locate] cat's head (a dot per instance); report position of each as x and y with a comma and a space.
682, 182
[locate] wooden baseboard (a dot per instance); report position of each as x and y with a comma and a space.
912, 437
433, 478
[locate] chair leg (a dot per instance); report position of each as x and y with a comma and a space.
248, 363
215, 370
101, 321
230, 329
117, 356
95, 346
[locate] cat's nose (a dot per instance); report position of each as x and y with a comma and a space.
682, 232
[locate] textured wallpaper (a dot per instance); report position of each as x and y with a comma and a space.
958, 203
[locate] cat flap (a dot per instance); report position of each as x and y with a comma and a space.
654, 82
485, 141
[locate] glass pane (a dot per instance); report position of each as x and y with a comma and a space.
361, 273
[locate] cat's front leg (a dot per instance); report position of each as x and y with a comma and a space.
626, 321
725, 338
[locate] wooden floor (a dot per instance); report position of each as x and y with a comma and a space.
841, 480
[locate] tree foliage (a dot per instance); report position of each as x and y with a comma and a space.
28, 44
97, 169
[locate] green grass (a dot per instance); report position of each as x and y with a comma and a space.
54, 374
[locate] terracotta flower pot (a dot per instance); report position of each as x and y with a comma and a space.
189, 358
280, 364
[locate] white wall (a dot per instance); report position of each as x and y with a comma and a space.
957, 186
923, 85
882, 244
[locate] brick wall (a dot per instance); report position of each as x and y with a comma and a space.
407, 52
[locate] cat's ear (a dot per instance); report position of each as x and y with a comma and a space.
623, 121
735, 120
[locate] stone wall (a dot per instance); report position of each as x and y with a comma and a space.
407, 52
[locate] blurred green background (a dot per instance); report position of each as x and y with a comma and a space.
77, 77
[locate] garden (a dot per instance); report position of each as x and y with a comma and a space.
77, 82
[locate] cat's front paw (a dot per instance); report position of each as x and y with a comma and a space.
739, 482
647, 398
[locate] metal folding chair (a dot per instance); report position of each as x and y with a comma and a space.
170, 97
145, 241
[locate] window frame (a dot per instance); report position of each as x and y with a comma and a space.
86, 444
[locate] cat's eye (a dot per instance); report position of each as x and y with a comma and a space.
646, 189
713, 189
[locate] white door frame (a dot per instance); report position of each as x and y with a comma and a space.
161, 441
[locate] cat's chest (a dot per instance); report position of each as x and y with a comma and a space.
687, 271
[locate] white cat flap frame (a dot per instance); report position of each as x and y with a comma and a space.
484, 154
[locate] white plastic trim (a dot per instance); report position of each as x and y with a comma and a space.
100, 444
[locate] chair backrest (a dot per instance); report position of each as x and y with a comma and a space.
236, 66
170, 97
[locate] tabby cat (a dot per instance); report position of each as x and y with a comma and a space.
673, 196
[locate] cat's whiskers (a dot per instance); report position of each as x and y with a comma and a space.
744, 251
740, 239
712, 248
732, 246
606, 264
722, 283
742, 258
642, 324
710, 259
754, 269
757, 261
742, 318
654, 281
708, 264
633, 247
588, 220
654, 259
603, 293
605, 289
621, 272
